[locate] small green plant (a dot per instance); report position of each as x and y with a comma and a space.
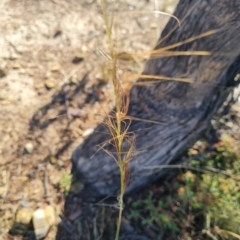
207, 198
151, 212
216, 190
223, 190
65, 182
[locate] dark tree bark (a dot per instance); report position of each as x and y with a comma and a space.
183, 110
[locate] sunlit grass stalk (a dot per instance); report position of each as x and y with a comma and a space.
116, 125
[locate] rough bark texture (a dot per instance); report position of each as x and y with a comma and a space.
183, 110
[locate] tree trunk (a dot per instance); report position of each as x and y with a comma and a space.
182, 110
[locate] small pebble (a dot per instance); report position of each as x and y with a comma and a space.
24, 216
16, 66
88, 132
41, 227
55, 68
50, 83
29, 147
77, 59
30, 175
53, 160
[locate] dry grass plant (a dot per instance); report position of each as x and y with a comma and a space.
118, 121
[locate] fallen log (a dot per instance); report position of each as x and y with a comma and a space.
179, 111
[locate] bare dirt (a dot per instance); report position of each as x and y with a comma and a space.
53, 89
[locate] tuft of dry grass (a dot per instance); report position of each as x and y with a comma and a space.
118, 122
